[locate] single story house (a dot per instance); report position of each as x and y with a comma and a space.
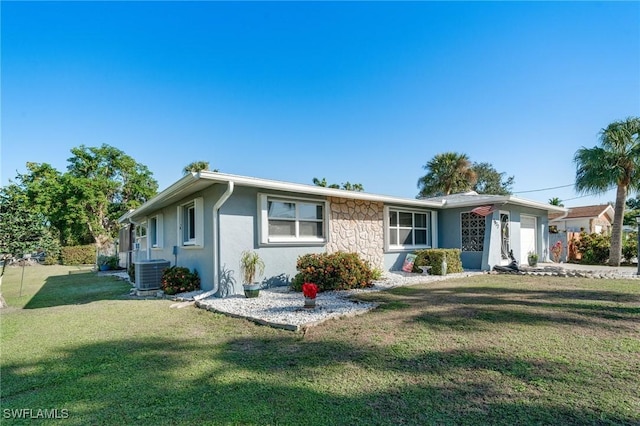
592, 219
205, 220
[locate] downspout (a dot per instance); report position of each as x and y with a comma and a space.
216, 251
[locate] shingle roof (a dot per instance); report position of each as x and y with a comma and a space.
585, 211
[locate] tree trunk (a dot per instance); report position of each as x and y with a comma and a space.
615, 252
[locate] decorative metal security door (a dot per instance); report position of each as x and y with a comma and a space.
505, 236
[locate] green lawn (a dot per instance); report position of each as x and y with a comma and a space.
482, 350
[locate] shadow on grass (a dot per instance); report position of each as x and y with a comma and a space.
77, 288
286, 380
476, 307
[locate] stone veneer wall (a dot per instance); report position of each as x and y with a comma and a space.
357, 226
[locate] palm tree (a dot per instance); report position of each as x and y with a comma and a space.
447, 173
346, 186
615, 163
196, 166
555, 201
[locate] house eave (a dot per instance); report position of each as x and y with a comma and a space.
502, 200
194, 182
185, 186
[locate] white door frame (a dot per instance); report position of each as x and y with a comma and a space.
524, 251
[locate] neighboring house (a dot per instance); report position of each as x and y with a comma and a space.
591, 219
205, 220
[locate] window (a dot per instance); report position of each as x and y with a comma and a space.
408, 229
155, 231
141, 230
285, 220
191, 223
472, 226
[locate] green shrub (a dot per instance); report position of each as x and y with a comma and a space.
179, 280
332, 271
594, 248
433, 258
78, 255
111, 261
630, 247
52, 258
377, 274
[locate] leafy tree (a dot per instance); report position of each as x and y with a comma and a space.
105, 183
23, 230
613, 164
447, 173
348, 186
490, 181
324, 184
197, 166
83, 204
555, 201
51, 194
633, 210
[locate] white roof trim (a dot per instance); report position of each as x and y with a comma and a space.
194, 182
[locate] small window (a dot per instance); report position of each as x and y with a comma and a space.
191, 223
141, 230
155, 230
408, 229
292, 220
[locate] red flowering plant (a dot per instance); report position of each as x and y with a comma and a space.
179, 280
309, 290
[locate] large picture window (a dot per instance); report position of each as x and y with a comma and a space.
472, 226
408, 229
292, 220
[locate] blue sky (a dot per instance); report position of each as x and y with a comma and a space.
360, 92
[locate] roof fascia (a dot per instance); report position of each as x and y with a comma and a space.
157, 200
507, 199
314, 190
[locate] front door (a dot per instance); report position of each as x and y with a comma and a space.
527, 237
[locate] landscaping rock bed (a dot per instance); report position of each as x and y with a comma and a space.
560, 271
279, 307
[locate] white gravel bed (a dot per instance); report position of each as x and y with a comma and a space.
280, 307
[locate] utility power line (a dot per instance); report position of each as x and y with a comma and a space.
544, 189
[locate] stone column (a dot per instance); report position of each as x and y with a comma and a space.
357, 226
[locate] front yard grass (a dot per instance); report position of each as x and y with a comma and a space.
482, 350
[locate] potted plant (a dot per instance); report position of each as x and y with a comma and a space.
251, 266
113, 262
532, 258
104, 262
310, 291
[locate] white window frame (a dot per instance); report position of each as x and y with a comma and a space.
431, 228
263, 223
141, 230
197, 241
155, 231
